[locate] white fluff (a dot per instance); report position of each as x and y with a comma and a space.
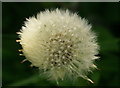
61, 43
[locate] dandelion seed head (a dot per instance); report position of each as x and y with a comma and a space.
59, 42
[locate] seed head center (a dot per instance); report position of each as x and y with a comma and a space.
60, 47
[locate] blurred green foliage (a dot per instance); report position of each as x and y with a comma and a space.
105, 18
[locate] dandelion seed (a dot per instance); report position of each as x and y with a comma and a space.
20, 50
21, 54
23, 60
18, 40
57, 42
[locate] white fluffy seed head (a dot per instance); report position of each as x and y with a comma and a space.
59, 42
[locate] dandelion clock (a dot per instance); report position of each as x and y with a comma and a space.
60, 43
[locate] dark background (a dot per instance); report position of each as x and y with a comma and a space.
105, 19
